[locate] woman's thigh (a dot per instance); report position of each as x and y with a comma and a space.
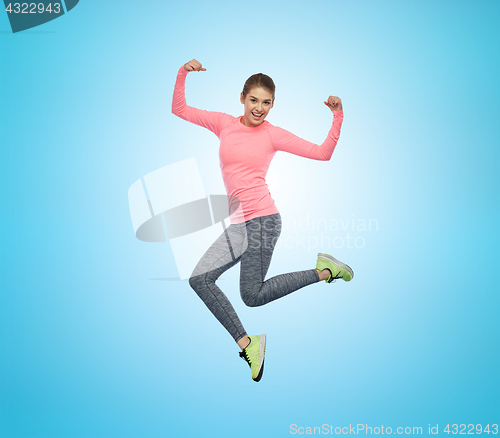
263, 233
224, 253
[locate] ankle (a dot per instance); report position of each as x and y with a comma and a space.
324, 274
244, 342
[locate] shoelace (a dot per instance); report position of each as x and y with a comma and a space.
332, 278
243, 354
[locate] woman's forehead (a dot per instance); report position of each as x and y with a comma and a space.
260, 93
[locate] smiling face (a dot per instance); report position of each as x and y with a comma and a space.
258, 102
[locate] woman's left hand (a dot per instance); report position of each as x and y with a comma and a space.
334, 103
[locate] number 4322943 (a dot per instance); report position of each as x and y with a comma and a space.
33, 8
470, 429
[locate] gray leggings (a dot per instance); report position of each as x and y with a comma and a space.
251, 242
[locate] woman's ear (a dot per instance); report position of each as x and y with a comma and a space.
242, 99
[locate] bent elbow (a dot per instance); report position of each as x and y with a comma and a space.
177, 112
326, 157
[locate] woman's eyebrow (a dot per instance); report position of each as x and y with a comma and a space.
258, 99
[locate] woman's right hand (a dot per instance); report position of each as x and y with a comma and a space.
194, 65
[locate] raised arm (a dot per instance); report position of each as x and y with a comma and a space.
286, 141
214, 121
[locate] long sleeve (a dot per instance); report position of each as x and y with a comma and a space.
286, 141
214, 121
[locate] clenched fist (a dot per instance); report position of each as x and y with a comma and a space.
194, 65
334, 103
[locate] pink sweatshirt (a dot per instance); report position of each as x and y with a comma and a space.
245, 152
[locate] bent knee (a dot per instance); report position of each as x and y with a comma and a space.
250, 300
251, 303
201, 282
198, 282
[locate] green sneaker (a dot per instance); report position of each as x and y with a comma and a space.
254, 355
337, 269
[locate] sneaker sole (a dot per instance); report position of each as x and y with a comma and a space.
336, 262
262, 352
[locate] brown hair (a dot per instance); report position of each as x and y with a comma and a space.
259, 80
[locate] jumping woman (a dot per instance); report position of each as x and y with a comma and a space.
247, 146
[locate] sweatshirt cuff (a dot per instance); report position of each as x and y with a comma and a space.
338, 114
183, 71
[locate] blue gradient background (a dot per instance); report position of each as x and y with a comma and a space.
96, 341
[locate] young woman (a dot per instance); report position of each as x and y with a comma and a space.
247, 145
